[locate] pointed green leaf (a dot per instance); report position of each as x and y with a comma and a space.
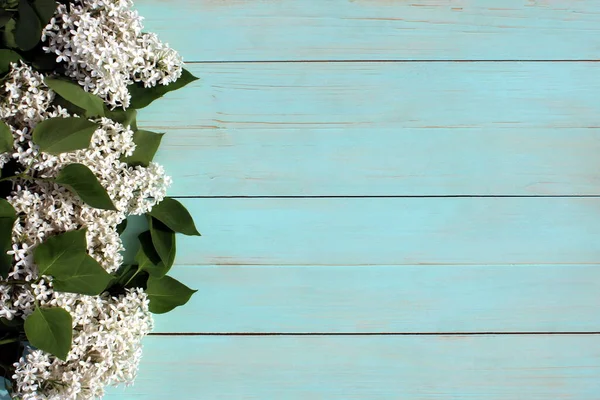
122, 275
8, 216
61, 135
67, 105
7, 210
58, 254
50, 330
6, 138
122, 226
11, 324
167, 293
45, 10
142, 96
163, 240
72, 92
28, 30
175, 216
8, 36
6, 58
147, 257
147, 143
124, 117
5, 16
86, 278
82, 181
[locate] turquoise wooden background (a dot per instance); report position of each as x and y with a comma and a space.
399, 200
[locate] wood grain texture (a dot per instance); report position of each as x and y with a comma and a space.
388, 231
368, 367
396, 264
218, 30
382, 129
387, 299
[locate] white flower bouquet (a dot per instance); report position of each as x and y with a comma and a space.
74, 166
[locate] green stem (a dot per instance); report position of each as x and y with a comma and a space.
40, 179
9, 340
133, 276
35, 160
8, 178
16, 282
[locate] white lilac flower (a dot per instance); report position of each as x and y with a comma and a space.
107, 330
106, 348
102, 46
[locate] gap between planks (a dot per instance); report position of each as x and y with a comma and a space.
385, 61
434, 196
528, 333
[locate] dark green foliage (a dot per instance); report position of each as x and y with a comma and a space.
167, 293
147, 143
175, 216
50, 329
64, 258
142, 96
82, 181
61, 135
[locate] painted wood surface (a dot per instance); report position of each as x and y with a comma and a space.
387, 299
388, 231
382, 129
416, 197
369, 367
233, 30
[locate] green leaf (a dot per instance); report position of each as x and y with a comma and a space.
67, 105
147, 143
7, 210
6, 138
163, 240
50, 330
11, 324
28, 30
122, 226
122, 275
82, 181
61, 135
6, 58
175, 216
147, 257
5, 16
147, 247
167, 293
124, 117
8, 216
44, 62
9, 34
72, 92
58, 254
86, 278
45, 10
142, 96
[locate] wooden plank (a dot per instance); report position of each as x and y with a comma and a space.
382, 129
368, 367
217, 30
387, 299
389, 231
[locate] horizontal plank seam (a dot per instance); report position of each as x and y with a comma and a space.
387, 61
413, 265
432, 264
433, 196
372, 333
